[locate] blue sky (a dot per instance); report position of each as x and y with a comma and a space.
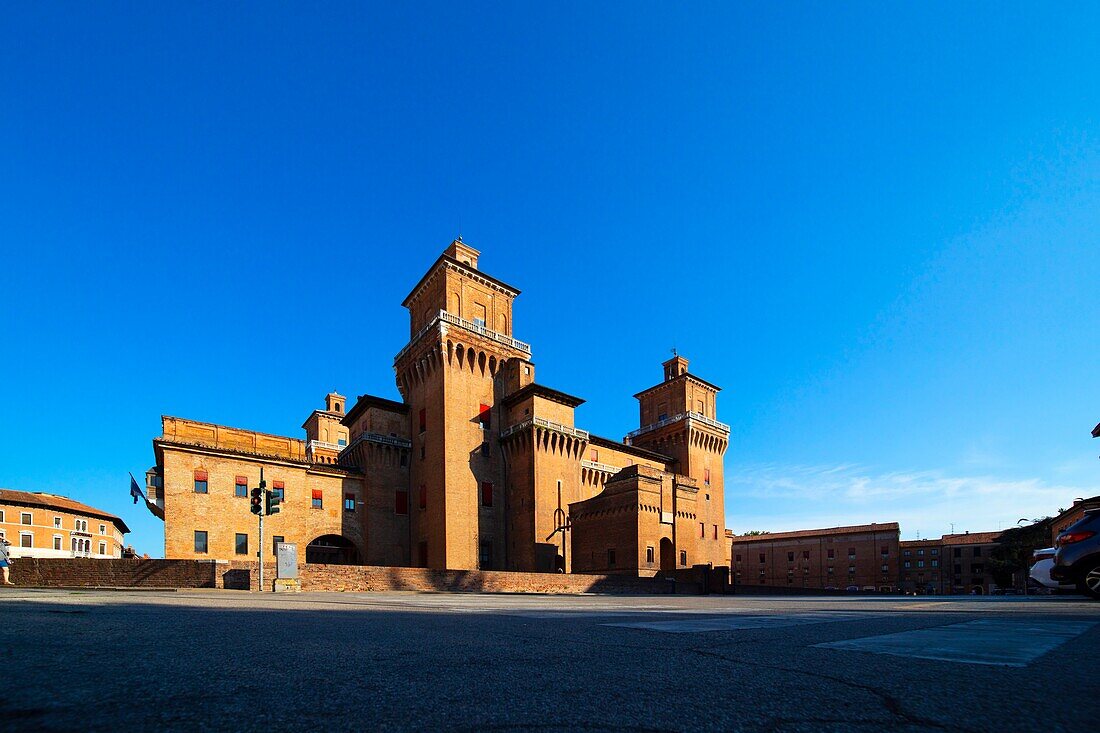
876, 227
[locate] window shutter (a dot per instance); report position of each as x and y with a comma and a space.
241, 481
279, 485
317, 494
200, 475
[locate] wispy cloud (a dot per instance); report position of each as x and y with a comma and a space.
779, 498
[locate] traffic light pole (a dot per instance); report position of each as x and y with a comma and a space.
260, 549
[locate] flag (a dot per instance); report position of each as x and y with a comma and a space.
135, 491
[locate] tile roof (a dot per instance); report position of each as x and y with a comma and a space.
884, 527
971, 538
61, 503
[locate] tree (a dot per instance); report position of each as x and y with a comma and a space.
1015, 548
755, 532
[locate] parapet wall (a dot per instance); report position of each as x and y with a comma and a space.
93, 573
90, 573
369, 578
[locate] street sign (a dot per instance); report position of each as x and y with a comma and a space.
286, 554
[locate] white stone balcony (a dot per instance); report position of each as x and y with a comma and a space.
549, 425
597, 466
443, 317
710, 422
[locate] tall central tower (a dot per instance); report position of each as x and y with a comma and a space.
460, 325
679, 419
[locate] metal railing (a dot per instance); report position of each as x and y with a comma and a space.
445, 317
676, 418
314, 444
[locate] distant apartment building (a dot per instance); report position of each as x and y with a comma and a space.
39, 524
864, 557
922, 569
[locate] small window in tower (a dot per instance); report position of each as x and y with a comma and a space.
423, 419
422, 497
610, 558
318, 499
649, 555
401, 502
200, 482
594, 456
479, 315
486, 493
683, 557
349, 502
716, 531
706, 476
702, 530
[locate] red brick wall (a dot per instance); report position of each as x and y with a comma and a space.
89, 573
367, 578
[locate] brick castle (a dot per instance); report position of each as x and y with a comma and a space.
479, 466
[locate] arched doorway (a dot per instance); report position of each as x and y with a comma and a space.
668, 556
332, 549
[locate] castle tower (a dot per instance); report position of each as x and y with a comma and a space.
460, 324
678, 418
325, 435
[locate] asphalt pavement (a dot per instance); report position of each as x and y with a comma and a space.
231, 660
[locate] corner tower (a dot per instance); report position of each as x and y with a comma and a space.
678, 418
460, 325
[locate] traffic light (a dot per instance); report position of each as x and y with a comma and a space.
257, 501
274, 499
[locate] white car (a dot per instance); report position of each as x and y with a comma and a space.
1042, 562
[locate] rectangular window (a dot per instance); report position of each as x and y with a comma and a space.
830, 571
831, 551
25, 518
920, 563
935, 563
342, 442
57, 542
422, 497
103, 529
318, 499
885, 568
401, 502
486, 493
26, 539
790, 557
1, 516
485, 556
102, 548
484, 416
702, 530
610, 558
200, 541
920, 552
706, 476
683, 557
275, 544
423, 419
805, 554
279, 489
594, 455
906, 553
977, 552
241, 544
240, 487
649, 556
422, 554
479, 315
761, 557
885, 550
716, 531
349, 502
906, 563
935, 551
56, 520
958, 552
200, 482
404, 458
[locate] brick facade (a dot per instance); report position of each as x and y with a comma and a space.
128, 573
38, 524
864, 557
